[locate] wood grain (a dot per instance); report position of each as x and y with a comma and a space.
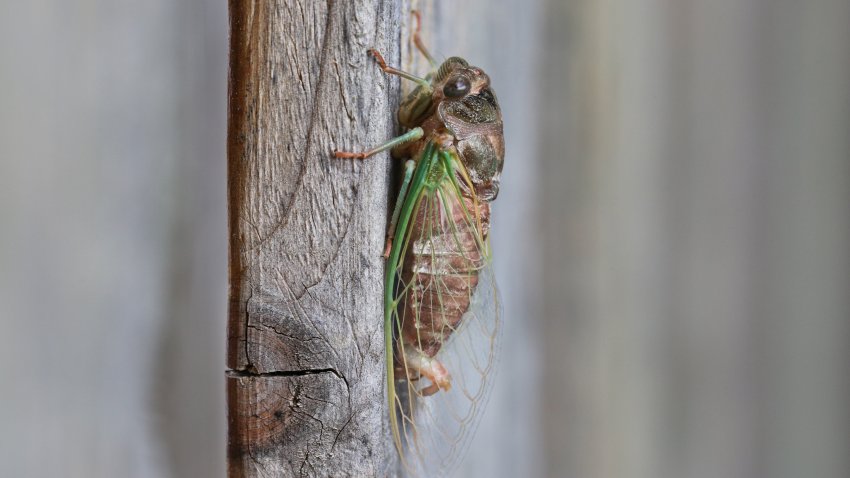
306, 393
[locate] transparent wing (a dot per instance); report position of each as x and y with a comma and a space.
448, 322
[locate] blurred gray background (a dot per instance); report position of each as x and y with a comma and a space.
673, 236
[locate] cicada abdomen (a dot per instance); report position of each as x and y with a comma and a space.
446, 316
442, 310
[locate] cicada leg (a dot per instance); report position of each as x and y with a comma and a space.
417, 40
409, 137
409, 167
395, 71
430, 368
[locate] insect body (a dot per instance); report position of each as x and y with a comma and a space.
442, 311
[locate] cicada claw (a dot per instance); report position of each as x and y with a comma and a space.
430, 368
348, 155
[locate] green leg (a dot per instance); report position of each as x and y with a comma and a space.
409, 166
412, 135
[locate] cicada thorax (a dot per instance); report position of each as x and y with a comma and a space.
460, 110
448, 233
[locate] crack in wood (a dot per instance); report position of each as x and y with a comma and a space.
283, 373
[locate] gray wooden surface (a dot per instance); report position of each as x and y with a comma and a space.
306, 381
671, 236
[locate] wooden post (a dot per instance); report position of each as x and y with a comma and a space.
305, 384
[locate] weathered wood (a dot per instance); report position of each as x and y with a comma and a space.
305, 385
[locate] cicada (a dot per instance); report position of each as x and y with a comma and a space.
441, 307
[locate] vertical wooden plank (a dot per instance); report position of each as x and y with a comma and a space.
575, 107
804, 242
713, 185
649, 311
695, 226
88, 148
188, 398
306, 386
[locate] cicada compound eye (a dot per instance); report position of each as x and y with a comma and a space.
456, 87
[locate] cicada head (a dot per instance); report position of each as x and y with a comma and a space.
459, 102
468, 109
419, 104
